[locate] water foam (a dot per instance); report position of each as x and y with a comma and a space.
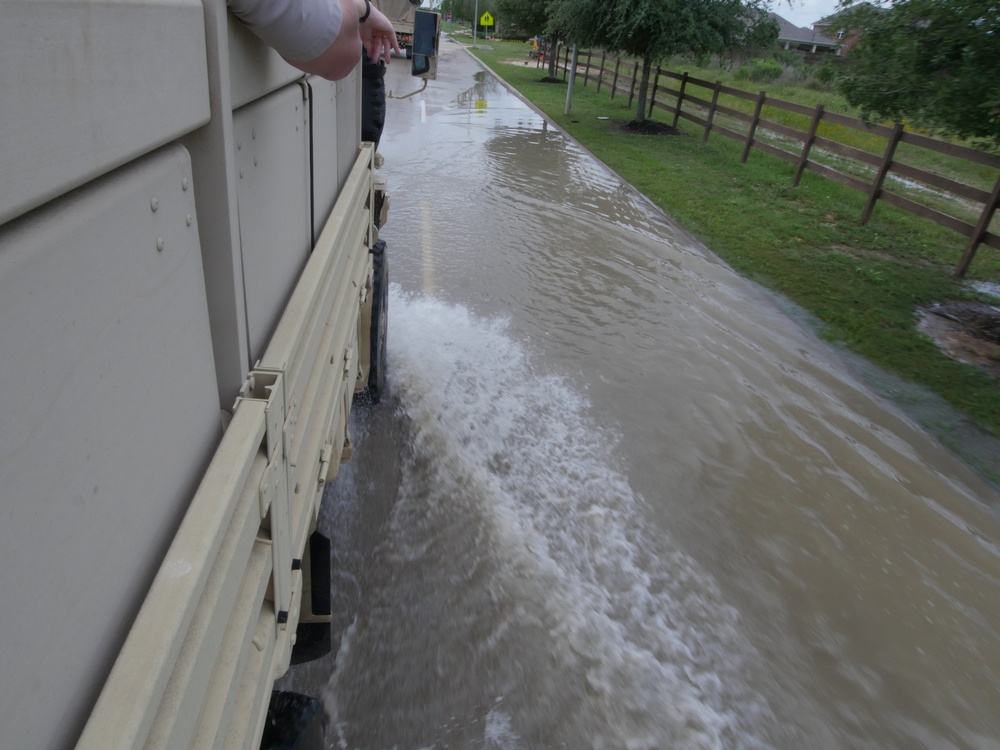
592, 634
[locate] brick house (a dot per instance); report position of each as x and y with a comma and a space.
813, 41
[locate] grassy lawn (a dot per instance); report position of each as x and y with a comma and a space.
864, 284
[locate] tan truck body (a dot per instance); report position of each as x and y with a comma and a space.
186, 290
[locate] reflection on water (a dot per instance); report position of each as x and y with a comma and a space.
476, 97
624, 500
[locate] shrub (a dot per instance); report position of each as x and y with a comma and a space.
826, 73
789, 58
760, 71
823, 77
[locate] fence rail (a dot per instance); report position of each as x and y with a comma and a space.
703, 109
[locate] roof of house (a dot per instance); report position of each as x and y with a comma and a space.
787, 32
834, 17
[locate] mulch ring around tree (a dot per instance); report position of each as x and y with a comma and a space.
966, 331
648, 127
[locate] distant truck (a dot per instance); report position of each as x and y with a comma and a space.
401, 13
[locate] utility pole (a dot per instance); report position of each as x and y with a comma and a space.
572, 79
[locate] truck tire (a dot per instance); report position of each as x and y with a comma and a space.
380, 322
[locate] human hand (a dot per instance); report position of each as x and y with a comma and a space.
377, 36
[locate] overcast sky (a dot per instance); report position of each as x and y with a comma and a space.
804, 12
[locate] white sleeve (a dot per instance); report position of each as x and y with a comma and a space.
299, 30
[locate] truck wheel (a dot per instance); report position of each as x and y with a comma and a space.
380, 322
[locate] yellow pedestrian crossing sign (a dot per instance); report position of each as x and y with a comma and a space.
486, 19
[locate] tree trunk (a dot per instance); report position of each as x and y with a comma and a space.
553, 56
640, 110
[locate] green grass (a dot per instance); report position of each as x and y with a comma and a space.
862, 283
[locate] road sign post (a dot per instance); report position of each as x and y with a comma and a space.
486, 21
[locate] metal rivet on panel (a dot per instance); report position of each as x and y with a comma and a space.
160, 244
185, 184
154, 204
189, 219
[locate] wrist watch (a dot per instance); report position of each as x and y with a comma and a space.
368, 11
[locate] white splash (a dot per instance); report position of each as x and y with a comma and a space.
639, 636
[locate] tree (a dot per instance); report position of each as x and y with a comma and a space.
656, 29
528, 16
934, 62
460, 9
532, 17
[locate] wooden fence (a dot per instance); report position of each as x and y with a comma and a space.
697, 101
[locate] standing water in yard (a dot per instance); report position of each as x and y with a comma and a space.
617, 498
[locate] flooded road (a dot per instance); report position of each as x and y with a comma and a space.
617, 498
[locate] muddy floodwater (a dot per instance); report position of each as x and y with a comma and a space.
617, 498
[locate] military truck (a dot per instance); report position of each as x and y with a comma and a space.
192, 293
401, 13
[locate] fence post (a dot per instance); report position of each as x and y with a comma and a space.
680, 98
652, 99
883, 170
600, 77
753, 126
807, 146
980, 232
614, 82
565, 62
586, 71
631, 91
711, 112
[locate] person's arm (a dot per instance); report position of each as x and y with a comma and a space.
323, 37
339, 59
377, 34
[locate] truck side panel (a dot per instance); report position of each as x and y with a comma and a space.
109, 414
255, 69
83, 86
335, 111
348, 121
272, 163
